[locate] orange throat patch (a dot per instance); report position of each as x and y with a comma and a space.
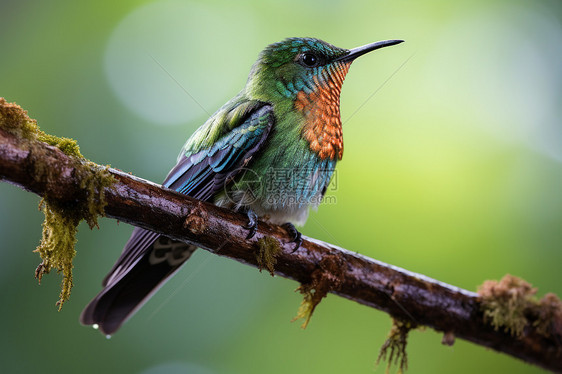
321, 109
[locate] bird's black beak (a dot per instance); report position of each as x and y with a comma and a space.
360, 51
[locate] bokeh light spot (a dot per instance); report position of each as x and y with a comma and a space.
168, 61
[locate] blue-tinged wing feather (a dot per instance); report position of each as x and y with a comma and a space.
200, 172
197, 174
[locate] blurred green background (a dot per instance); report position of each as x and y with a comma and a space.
452, 169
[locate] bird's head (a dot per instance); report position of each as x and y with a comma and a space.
293, 65
304, 76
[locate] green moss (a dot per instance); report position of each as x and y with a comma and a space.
311, 299
511, 305
61, 221
328, 276
269, 249
506, 302
68, 146
394, 348
14, 120
93, 179
57, 245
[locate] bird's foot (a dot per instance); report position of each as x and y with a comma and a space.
294, 233
252, 225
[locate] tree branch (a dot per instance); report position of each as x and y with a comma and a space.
404, 295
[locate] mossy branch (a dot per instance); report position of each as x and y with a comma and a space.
62, 216
504, 316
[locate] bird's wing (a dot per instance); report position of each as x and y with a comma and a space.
149, 259
201, 173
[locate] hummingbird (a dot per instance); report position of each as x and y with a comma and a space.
270, 152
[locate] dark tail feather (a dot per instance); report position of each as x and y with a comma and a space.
125, 294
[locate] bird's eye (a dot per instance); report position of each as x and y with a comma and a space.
309, 59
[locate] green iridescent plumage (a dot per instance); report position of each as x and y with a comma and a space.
270, 151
